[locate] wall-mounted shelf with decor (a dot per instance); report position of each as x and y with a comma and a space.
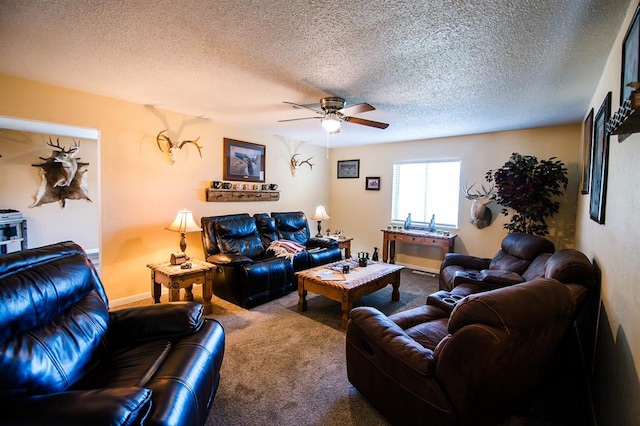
627, 119
221, 195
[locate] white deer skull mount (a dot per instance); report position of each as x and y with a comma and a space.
174, 147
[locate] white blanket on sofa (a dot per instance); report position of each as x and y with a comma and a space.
285, 248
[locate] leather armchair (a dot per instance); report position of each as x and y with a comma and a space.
474, 364
66, 359
521, 258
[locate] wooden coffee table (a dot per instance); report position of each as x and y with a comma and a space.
357, 283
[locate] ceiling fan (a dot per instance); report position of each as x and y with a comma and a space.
333, 112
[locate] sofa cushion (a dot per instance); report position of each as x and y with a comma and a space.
239, 236
292, 226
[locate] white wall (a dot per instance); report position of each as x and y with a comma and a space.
362, 214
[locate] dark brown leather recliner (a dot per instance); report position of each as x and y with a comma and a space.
474, 363
521, 258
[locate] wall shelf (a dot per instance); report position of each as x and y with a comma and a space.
627, 119
223, 195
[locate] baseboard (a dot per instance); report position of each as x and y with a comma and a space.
420, 268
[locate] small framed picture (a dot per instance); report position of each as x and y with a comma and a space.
373, 183
587, 142
630, 49
348, 169
244, 161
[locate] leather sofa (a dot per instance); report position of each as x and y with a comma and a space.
66, 359
474, 359
247, 273
521, 258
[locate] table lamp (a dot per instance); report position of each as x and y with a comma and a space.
320, 215
184, 223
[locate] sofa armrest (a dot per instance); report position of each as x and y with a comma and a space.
108, 406
321, 242
147, 322
387, 338
502, 278
466, 261
229, 259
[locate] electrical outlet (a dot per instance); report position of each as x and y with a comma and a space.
416, 249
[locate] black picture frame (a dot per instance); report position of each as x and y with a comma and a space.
372, 183
348, 169
600, 162
630, 71
587, 143
244, 161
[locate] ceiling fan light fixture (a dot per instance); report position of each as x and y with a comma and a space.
331, 122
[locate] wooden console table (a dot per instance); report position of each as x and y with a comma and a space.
423, 238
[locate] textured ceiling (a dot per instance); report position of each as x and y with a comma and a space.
431, 68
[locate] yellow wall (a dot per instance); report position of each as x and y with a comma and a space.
142, 192
363, 214
614, 247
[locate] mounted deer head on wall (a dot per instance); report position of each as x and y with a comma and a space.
63, 176
480, 214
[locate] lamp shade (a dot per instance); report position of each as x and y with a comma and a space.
184, 222
320, 214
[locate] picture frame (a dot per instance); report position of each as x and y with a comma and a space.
600, 162
244, 161
587, 142
372, 183
348, 169
630, 50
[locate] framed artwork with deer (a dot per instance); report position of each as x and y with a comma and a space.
244, 161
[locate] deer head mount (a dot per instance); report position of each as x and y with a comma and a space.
63, 176
295, 163
172, 148
480, 214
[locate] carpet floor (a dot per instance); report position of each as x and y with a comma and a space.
282, 367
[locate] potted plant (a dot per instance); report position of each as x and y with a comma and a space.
527, 186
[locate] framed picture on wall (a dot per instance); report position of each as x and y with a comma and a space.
243, 161
599, 161
373, 183
630, 50
348, 169
587, 142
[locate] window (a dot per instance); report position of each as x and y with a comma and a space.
424, 189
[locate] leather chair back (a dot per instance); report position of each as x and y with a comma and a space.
518, 251
57, 325
239, 236
292, 226
209, 241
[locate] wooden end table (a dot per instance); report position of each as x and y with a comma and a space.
357, 283
344, 243
173, 277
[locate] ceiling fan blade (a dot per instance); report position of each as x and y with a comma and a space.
370, 123
357, 108
296, 119
303, 106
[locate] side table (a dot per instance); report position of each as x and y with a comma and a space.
174, 278
344, 243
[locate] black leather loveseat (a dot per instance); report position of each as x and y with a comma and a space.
247, 273
67, 360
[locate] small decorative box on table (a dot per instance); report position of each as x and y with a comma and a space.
174, 278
